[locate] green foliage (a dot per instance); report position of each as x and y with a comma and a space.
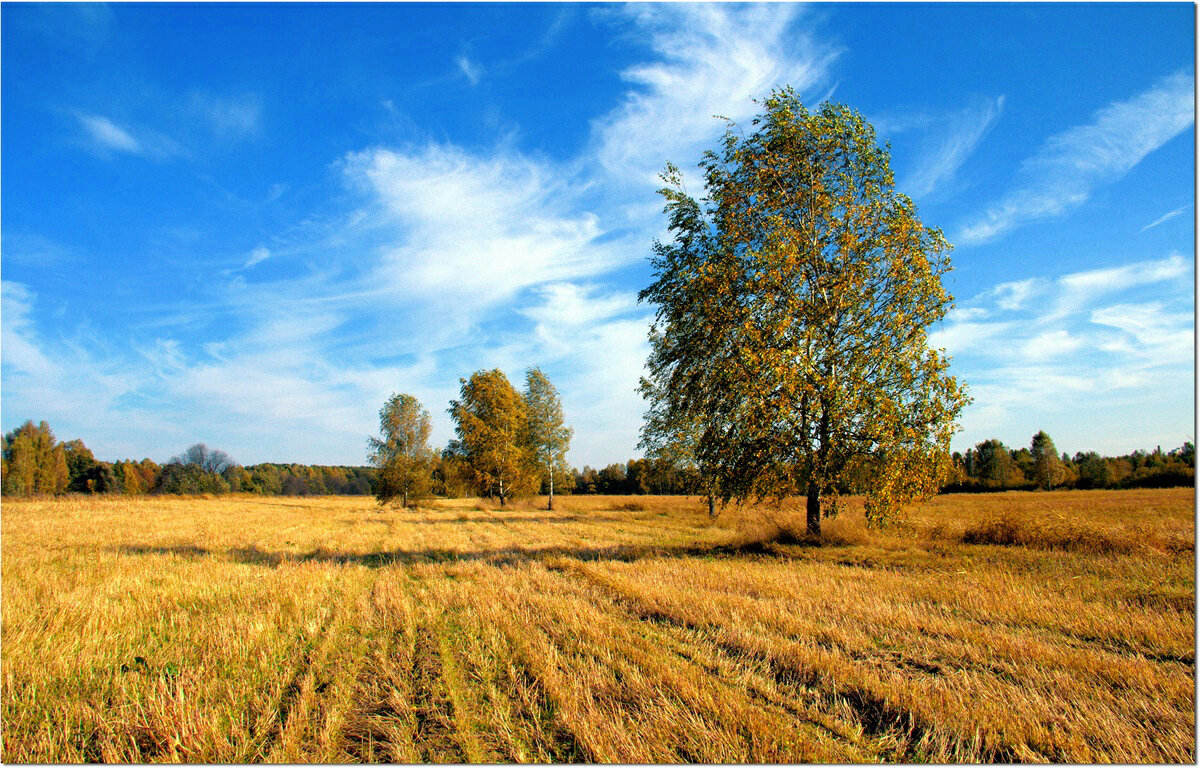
402, 454
994, 466
1048, 469
492, 424
190, 479
33, 462
790, 338
199, 469
80, 466
990, 466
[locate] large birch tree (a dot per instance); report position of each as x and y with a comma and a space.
793, 304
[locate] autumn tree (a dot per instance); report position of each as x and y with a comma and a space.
547, 434
34, 462
401, 453
1048, 469
792, 315
491, 421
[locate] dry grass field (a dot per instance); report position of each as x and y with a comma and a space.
1015, 627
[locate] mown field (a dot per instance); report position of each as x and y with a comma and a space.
1022, 626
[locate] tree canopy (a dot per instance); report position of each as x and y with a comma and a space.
792, 316
401, 453
34, 462
491, 421
1047, 466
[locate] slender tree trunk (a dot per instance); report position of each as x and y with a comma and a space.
814, 510
501, 493
712, 507
550, 502
406, 498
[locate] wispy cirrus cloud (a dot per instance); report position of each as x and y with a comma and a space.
108, 135
257, 256
107, 138
51, 377
472, 70
710, 60
475, 230
229, 117
1069, 165
1165, 218
953, 137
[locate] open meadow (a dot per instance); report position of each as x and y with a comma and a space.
1021, 626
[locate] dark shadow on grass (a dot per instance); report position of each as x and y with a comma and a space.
254, 555
461, 517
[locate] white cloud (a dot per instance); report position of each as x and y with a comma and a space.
958, 336
1014, 295
257, 256
61, 381
957, 135
1071, 164
711, 59
1079, 288
108, 135
568, 306
20, 351
228, 116
1048, 345
1070, 358
474, 231
1165, 217
1154, 333
472, 70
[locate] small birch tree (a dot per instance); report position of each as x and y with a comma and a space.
401, 453
548, 436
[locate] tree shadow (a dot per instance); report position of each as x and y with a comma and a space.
463, 517
506, 556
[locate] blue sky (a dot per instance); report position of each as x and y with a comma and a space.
249, 224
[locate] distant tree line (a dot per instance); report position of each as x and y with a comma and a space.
992, 466
36, 463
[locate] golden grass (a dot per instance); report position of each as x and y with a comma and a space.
1010, 627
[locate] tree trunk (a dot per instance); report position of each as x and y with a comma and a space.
406, 499
501, 493
814, 510
550, 502
712, 507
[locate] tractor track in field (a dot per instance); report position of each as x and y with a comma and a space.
877, 717
290, 695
